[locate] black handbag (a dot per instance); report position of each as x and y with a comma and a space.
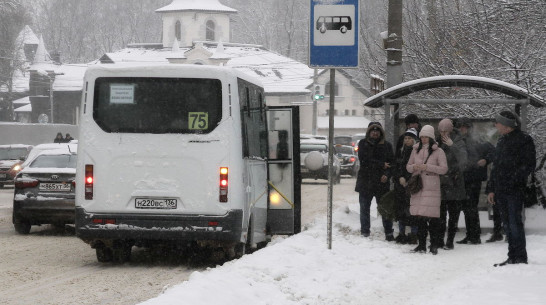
415, 182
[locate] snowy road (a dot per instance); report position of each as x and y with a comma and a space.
51, 266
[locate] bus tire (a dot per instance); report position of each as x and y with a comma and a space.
343, 29
322, 29
104, 254
121, 252
22, 227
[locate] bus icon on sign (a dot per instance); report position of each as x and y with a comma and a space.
334, 23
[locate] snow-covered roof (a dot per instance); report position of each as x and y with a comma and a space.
343, 122
196, 5
25, 108
42, 56
279, 74
27, 36
22, 101
68, 77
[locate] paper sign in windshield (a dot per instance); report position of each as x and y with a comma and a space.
122, 94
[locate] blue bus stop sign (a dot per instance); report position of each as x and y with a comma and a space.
333, 34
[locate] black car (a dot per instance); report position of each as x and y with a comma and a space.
44, 191
348, 159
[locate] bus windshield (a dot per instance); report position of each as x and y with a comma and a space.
157, 105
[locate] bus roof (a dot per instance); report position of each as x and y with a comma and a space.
166, 70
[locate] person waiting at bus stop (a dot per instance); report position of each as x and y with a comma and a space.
474, 174
429, 161
514, 159
453, 189
376, 156
400, 179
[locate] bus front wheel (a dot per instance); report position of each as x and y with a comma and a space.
343, 29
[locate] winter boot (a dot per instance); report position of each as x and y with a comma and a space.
449, 242
412, 239
433, 249
495, 237
401, 239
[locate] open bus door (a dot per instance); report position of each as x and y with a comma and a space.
284, 179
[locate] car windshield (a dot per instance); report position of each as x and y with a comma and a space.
54, 161
10, 153
344, 150
157, 105
305, 148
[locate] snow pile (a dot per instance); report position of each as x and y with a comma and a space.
301, 270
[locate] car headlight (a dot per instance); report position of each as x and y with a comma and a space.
17, 168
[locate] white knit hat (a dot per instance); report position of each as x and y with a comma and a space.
427, 131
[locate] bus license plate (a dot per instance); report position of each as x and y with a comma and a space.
55, 187
149, 203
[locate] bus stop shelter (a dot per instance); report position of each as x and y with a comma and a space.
393, 98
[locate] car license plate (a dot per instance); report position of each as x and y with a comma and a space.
55, 187
155, 203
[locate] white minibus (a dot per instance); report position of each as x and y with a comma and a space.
183, 154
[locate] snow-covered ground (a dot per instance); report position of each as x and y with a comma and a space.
301, 270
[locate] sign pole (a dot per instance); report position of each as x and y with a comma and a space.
333, 44
331, 175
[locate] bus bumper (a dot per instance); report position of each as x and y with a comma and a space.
96, 228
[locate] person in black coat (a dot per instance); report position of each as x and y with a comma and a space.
514, 159
412, 121
59, 138
376, 156
474, 174
400, 179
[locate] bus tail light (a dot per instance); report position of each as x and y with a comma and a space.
223, 184
89, 180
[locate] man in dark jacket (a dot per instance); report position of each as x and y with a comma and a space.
452, 183
514, 159
474, 174
376, 157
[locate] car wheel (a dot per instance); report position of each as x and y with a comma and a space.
22, 227
343, 29
104, 254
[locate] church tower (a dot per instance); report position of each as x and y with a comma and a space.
195, 20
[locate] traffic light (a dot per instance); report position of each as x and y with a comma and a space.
318, 93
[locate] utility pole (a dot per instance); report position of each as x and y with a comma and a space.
394, 44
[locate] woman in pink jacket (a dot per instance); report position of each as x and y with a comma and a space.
429, 161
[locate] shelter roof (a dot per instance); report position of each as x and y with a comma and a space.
454, 81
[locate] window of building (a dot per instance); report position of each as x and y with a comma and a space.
178, 30
353, 112
327, 89
210, 31
347, 112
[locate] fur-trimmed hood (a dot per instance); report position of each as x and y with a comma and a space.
381, 131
